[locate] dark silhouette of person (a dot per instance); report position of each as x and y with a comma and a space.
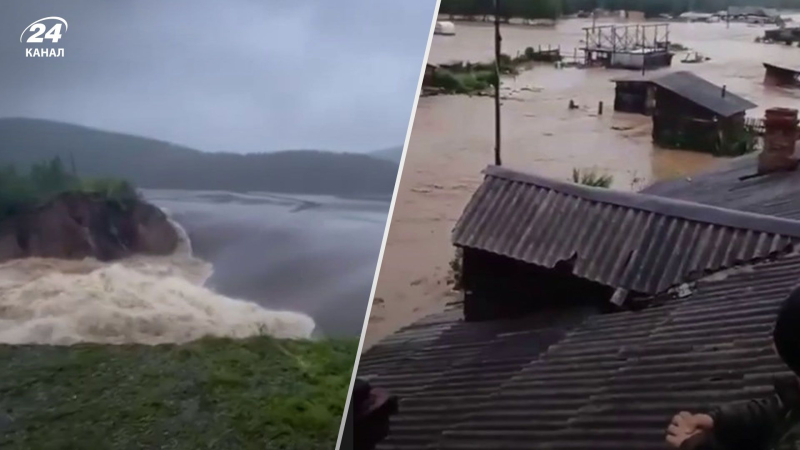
770, 423
370, 410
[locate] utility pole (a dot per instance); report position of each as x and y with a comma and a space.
497, 160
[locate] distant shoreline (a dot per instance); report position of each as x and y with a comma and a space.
370, 197
374, 197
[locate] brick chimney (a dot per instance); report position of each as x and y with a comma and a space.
780, 136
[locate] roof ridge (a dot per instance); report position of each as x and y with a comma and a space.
684, 209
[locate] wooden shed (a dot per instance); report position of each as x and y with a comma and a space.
634, 95
529, 241
688, 111
694, 114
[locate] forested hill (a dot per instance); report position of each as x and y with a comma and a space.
528, 9
156, 164
393, 154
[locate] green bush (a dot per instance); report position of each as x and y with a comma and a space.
590, 177
743, 143
508, 65
456, 276
109, 188
463, 82
46, 180
530, 53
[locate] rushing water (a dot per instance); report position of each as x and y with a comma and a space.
453, 140
314, 255
290, 267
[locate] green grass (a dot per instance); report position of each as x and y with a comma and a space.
463, 82
258, 393
590, 177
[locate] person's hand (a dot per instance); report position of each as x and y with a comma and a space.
686, 425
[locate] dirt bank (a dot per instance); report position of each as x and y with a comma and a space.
77, 226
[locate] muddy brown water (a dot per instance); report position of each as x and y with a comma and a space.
453, 139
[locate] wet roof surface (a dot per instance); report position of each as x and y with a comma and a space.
582, 380
641, 243
735, 186
696, 89
704, 93
578, 379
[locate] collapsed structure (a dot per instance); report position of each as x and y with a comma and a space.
590, 316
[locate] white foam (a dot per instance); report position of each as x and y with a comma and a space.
147, 300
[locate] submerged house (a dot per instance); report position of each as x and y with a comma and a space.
591, 316
786, 35
688, 112
754, 14
780, 75
694, 114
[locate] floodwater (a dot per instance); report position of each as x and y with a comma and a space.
310, 254
453, 139
246, 264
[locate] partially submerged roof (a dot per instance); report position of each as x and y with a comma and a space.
780, 68
637, 242
695, 89
704, 93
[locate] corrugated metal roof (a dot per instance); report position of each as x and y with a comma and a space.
583, 380
736, 186
704, 93
610, 382
637, 242
696, 89
455, 366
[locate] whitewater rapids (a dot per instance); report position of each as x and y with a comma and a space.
143, 300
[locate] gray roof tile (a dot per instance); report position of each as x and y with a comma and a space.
641, 243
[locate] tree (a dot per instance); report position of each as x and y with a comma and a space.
15, 192
48, 179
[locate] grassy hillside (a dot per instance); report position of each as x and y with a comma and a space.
150, 163
258, 393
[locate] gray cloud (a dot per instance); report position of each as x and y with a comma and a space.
239, 75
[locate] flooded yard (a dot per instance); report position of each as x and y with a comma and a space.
453, 140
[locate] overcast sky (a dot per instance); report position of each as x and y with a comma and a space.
233, 75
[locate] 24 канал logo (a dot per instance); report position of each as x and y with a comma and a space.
43, 30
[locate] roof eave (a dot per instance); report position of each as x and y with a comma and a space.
682, 209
